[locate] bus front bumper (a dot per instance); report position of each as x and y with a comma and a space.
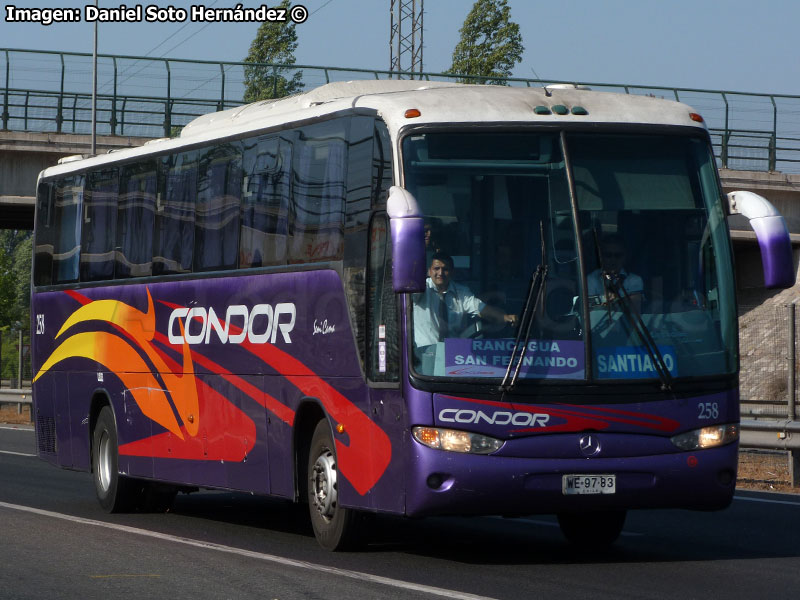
449, 483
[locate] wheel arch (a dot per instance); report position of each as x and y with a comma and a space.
100, 399
309, 413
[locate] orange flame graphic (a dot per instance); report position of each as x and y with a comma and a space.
117, 355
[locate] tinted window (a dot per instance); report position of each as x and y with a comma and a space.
135, 220
99, 225
67, 217
359, 188
45, 235
382, 176
173, 241
265, 201
318, 193
217, 217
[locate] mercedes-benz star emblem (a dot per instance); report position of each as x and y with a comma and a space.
589, 445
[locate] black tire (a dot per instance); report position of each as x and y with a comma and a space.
336, 528
114, 492
592, 529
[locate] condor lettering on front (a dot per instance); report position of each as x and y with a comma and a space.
520, 419
257, 325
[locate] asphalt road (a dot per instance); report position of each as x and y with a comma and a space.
56, 542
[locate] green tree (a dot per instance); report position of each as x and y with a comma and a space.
490, 43
21, 267
15, 275
274, 44
15, 280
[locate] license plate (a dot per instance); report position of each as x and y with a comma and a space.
588, 484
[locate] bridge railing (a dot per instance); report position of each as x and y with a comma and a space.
154, 97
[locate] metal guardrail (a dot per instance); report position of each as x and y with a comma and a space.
770, 435
151, 97
16, 396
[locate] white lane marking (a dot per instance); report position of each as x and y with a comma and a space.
280, 560
17, 453
17, 427
766, 500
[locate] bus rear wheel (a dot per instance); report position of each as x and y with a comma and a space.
335, 527
114, 492
600, 528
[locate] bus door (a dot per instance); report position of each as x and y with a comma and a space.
387, 405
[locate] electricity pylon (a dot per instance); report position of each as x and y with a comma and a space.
405, 41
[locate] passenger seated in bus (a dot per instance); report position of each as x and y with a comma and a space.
445, 308
432, 238
612, 257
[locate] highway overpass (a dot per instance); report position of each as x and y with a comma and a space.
46, 109
23, 154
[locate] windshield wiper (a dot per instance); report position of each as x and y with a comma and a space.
533, 299
613, 281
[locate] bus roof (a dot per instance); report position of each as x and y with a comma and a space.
433, 102
449, 102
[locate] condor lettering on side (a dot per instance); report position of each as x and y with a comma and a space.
502, 417
257, 325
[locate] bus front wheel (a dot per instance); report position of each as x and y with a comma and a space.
335, 527
114, 492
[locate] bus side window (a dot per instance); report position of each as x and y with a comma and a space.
45, 235
267, 169
67, 218
173, 241
357, 212
318, 193
98, 235
382, 170
382, 324
217, 218
135, 219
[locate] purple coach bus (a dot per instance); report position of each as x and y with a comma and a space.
403, 298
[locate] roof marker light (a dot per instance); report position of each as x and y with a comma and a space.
580, 111
542, 110
412, 113
560, 109
697, 118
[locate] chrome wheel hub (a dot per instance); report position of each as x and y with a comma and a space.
323, 485
104, 461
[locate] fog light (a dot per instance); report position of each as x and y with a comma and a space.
725, 477
434, 481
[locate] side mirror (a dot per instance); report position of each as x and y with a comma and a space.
408, 241
772, 234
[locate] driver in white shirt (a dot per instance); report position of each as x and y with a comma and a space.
444, 308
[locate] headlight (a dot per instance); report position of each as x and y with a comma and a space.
707, 437
456, 441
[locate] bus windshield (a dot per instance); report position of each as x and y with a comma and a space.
640, 286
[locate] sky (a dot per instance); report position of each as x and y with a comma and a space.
735, 45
